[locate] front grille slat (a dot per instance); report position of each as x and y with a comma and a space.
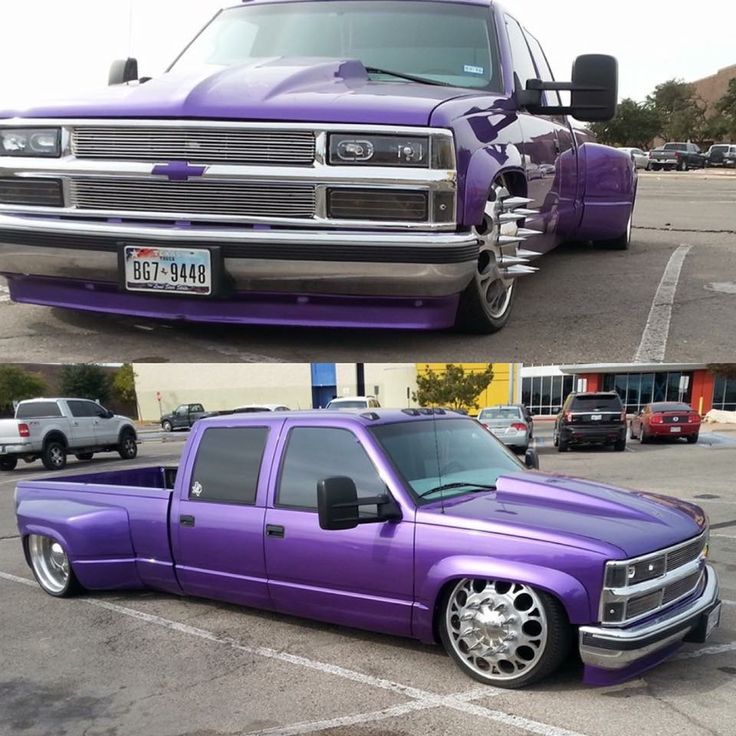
196, 145
211, 197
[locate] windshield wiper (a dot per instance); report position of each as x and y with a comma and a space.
408, 77
455, 486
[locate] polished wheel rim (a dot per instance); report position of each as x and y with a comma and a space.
56, 456
129, 446
50, 563
498, 629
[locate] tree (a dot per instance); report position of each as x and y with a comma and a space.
634, 126
123, 384
726, 108
85, 382
17, 384
453, 388
681, 112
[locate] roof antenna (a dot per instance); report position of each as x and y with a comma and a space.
439, 469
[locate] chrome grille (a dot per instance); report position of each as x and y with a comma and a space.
195, 197
683, 555
197, 145
681, 588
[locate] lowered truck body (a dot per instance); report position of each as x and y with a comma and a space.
358, 163
417, 524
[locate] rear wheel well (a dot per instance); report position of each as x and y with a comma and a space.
55, 436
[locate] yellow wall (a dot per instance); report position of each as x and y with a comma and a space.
504, 389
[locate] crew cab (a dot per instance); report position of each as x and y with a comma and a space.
52, 429
416, 523
184, 417
344, 163
680, 156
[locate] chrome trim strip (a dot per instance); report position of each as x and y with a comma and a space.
613, 659
649, 586
659, 553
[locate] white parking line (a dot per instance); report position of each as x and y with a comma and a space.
424, 697
715, 649
653, 347
4, 294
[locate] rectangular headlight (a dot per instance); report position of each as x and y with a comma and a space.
42, 142
351, 149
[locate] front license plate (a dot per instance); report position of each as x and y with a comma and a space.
675, 430
596, 418
714, 618
169, 270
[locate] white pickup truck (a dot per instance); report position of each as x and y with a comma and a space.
52, 429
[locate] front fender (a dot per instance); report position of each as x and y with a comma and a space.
567, 589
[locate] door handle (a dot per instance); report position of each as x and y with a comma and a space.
186, 520
275, 531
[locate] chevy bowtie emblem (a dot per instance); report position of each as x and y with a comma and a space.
178, 170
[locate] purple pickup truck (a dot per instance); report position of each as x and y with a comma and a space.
335, 162
416, 523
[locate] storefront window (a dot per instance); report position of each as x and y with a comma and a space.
724, 396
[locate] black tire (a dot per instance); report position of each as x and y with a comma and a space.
555, 651
128, 446
84, 456
53, 455
656, 167
167, 426
623, 241
8, 463
33, 544
692, 439
562, 445
472, 316
620, 446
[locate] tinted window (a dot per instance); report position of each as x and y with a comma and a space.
228, 464
603, 402
197, 407
449, 43
84, 409
671, 406
545, 72
360, 404
38, 409
523, 62
501, 412
316, 453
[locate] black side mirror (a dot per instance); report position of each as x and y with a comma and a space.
123, 71
338, 505
531, 460
594, 90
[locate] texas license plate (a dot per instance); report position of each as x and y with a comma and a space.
596, 418
675, 430
714, 618
169, 270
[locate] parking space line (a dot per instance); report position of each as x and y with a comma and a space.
705, 651
4, 294
653, 347
424, 697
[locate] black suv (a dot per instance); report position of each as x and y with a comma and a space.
591, 418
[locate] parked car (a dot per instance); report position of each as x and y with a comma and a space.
666, 419
346, 164
51, 429
721, 154
354, 402
680, 156
591, 419
184, 417
440, 534
640, 158
253, 408
509, 424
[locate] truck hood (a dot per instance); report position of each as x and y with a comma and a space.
308, 90
573, 512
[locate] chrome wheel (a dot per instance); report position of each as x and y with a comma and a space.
128, 448
50, 564
497, 630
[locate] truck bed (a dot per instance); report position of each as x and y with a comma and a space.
116, 523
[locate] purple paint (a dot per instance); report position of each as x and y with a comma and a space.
178, 171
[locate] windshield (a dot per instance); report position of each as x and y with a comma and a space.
500, 412
434, 454
440, 42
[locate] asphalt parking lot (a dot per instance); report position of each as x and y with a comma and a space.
585, 304
146, 663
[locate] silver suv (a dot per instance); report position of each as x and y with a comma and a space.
52, 429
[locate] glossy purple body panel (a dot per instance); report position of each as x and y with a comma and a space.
582, 191
256, 309
122, 530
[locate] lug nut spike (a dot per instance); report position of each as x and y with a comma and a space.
528, 254
507, 261
507, 240
510, 217
513, 202
514, 272
526, 233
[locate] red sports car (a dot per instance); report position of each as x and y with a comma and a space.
666, 419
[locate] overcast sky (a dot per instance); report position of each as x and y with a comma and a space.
49, 48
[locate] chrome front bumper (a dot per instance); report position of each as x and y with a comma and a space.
614, 649
351, 263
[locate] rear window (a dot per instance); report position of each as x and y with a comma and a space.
37, 409
358, 404
228, 465
603, 402
501, 412
675, 146
670, 406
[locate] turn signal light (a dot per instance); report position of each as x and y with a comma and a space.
656, 419
24, 430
